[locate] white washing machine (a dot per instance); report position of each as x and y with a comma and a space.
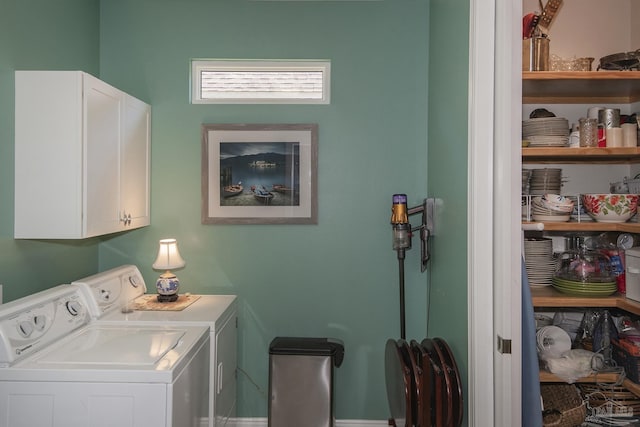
115, 294
59, 369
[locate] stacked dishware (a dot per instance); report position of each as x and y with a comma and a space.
526, 198
551, 208
584, 272
588, 289
538, 260
546, 180
526, 180
546, 132
552, 342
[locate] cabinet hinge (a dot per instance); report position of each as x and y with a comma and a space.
504, 345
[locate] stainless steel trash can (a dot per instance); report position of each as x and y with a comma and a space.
301, 374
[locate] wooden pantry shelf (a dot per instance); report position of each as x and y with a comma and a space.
547, 296
622, 227
580, 87
606, 378
580, 155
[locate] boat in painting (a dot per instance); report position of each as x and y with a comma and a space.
280, 188
232, 190
261, 194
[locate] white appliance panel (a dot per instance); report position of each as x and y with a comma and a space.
114, 290
60, 369
83, 404
116, 346
71, 359
29, 324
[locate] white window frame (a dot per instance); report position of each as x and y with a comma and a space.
200, 65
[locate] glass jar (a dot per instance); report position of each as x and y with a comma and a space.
588, 132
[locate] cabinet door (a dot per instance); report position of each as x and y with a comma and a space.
48, 155
103, 130
225, 372
134, 184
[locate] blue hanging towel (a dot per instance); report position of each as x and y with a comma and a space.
531, 408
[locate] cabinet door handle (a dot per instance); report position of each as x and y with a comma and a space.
125, 218
219, 382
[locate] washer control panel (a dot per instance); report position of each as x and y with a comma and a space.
112, 289
36, 321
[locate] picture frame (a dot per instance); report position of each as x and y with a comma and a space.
259, 173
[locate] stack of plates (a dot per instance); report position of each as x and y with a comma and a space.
546, 132
539, 262
547, 180
587, 289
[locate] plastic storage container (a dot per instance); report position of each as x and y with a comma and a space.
301, 374
632, 274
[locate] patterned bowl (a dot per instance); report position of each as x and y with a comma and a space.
610, 207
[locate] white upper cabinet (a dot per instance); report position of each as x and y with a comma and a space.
82, 151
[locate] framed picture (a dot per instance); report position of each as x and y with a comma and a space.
259, 173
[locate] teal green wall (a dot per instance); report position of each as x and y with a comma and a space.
338, 278
447, 172
40, 34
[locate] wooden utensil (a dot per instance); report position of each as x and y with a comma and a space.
548, 13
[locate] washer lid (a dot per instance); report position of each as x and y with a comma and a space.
116, 346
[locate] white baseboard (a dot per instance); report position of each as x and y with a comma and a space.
262, 422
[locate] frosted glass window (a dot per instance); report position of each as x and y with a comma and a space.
260, 82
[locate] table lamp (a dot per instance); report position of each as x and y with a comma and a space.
168, 259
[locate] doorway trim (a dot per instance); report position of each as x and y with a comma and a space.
494, 228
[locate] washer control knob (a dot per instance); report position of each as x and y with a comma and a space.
25, 328
40, 322
73, 307
133, 280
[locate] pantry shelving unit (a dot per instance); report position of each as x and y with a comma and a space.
590, 88
565, 155
580, 87
550, 298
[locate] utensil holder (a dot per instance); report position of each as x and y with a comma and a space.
535, 54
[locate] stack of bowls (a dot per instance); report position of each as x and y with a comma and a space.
538, 260
551, 208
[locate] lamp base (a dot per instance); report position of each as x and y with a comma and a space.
167, 286
168, 298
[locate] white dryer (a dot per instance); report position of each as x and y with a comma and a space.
114, 295
59, 369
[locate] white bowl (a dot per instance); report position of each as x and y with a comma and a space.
557, 202
557, 199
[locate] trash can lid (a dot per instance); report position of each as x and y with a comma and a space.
309, 347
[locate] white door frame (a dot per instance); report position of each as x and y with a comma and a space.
494, 295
